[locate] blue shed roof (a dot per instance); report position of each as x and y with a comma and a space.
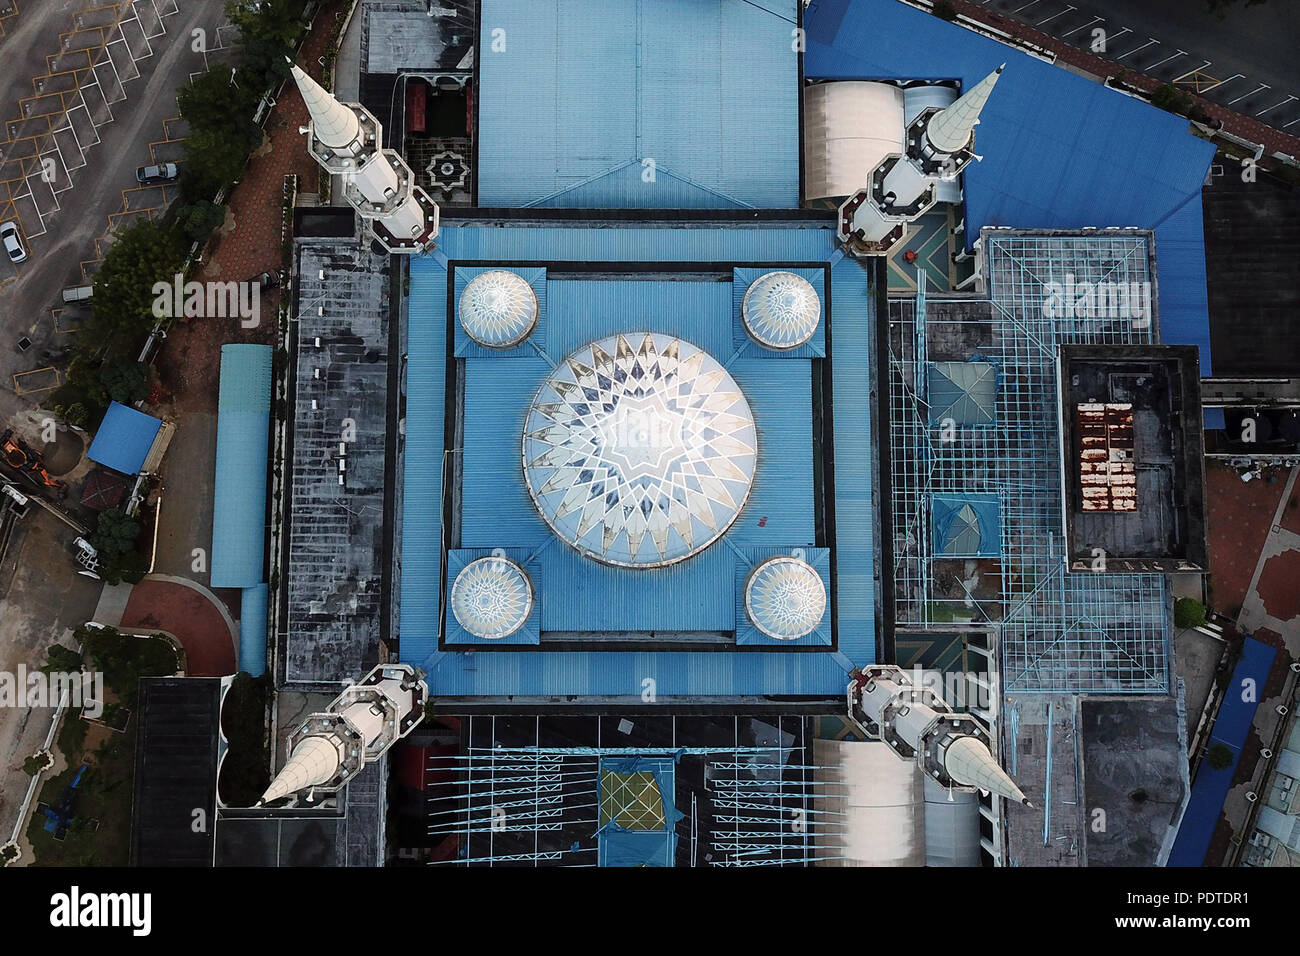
575, 593
239, 497
253, 605
1231, 729
124, 439
1060, 151
664, 104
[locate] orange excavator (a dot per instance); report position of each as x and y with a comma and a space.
25, 460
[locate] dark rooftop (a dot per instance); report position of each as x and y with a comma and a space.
1134, 768
1252, 245
175, 771
334, 562
1153, 393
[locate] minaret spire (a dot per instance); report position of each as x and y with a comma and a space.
950, 748
969, 762
347, 140
332, 747
951, 130
334, 124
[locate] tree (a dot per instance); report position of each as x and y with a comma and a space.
75, 414
1219, 757
125, 381
221, 132
944, 10
198, 220
1188, 612
267, 34
145, 254
115, 533
62, 659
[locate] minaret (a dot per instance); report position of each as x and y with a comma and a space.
332, 747
953, 128
939, 144
951, 748
347, 140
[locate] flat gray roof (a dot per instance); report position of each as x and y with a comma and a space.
335, 557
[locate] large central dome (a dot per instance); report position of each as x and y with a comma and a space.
639, 450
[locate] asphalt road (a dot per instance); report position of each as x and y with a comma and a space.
99, 188
1248, 59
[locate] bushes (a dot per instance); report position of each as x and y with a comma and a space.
1219, 757
1188, 612
125, 659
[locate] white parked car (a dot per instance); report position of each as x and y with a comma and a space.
13, 241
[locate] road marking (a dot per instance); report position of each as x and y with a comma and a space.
1276, 105
1055, 15
1025, 7
1084, 27
1112, 39
1292, 123
1235, 76
1135, 49
1179, 79
1166, 60
1258, 89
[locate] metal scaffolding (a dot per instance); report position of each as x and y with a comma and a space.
1059, 632
742, 804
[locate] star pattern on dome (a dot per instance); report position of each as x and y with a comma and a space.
780, 310
639, 450
492, 597
498, 309
785, 598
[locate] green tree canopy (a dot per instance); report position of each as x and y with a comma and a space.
115, 533
1188, 612
146, 253
125, 381
1219, 757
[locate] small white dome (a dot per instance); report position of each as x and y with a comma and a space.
498, 309
492, 597
780, 310
785, 598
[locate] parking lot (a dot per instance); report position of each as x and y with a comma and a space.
1245, 63
93, 97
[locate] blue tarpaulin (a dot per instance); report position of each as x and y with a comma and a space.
1231, 729
124, 439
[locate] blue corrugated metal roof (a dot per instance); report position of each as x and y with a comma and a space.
239, 497
659, 104
581, 310
124, 439
1060, 151
579, 594
252, 630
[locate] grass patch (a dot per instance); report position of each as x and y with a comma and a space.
106, 790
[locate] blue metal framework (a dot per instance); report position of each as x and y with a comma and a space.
1059, 632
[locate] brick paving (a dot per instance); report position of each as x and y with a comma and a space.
190, 615
250, 242
1240, 516
1274, 141
1279, 585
